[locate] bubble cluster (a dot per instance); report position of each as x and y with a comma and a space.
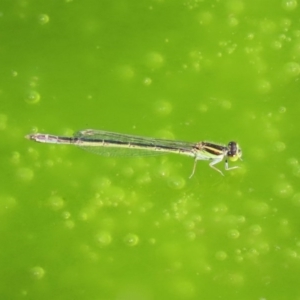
289, 5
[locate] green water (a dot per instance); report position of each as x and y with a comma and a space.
79, 226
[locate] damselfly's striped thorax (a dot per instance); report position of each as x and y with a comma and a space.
117, 144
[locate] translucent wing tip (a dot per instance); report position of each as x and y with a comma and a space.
28, 136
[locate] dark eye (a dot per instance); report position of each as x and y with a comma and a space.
232, 149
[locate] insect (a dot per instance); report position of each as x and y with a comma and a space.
116, 144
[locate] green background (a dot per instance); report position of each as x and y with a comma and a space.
79, 226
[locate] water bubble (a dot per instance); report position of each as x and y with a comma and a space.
25, 174
37, 272
252, 253
147, 81
221, 255
56, 202
225, 104
205, 18
126, 72
154, 60
280, 146
7, 203
15, 158
259, 208
268, 26
250, 36
282, 109
128, 171
103, 238
101, 183
163, 107
233, 234
283, 189
66, 215
296, 199
152, 241
235, 6
69, 224
289, 4
190, 225
131, 239
220, 208
232, 21
33, 153
241, 219
236, 279
296, 49
184, 289
293, 161
277, 45
292, 254
163, 170
191, 235
33, 81
43, 19
263, 247
3, 121
264, 86
203, 108
32, 97
176, 182
292, 69
255, 229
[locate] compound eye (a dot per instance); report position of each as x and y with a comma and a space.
232, 149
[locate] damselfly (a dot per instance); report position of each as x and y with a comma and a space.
117, 144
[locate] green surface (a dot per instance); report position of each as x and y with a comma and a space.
79, 226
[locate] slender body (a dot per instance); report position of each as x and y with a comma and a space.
116, 144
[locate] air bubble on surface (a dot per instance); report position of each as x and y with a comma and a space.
25, 174
289, 5
163, 107
103, 238
292, 69
43, 19
233, 234
131, 239
154, 60
147, 81
33, 97
56, 202
221, 255
3, 121
37, 272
